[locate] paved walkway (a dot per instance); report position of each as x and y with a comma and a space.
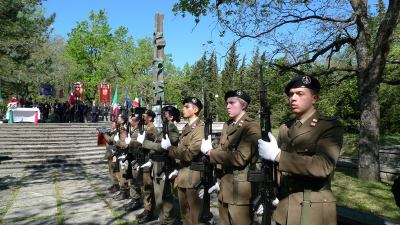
75, 195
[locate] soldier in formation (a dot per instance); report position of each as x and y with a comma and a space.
164, 167
188, 150
235, 155
307, 150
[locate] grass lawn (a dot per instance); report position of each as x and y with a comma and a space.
367, 196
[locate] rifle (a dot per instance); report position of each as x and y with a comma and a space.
139, 111
266, 177
205, 167
104, 130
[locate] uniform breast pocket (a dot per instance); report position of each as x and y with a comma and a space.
307, 150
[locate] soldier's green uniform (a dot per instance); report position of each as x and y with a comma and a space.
309, 152
121, 148
236, 155
147, 188
187, 150
164, 203
133, 149
109, 156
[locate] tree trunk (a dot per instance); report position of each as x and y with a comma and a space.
368, 166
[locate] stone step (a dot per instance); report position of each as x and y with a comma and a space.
83, 143
53, 160
66, 155
49, 139
17, 167
16, 153
91, 142
50, 131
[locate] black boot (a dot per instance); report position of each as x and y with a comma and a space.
123, 194
147, 217
142, 214
133, 205
113, 188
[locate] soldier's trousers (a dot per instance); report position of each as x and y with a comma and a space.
190, 205
148, 191
135, 191
166, 209
235, 214
114, 178
123, 184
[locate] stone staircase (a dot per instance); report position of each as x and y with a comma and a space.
49, 145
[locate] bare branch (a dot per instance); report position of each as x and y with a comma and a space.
335, 46
391, 82
396, 61
316, 73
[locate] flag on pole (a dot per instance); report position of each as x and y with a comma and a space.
136, 102
115, 110
128, 102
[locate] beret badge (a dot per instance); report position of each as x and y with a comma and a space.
306, 80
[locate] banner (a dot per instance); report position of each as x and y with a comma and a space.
104, 90
46, 89
115, 107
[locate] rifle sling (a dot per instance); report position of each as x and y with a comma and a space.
305, 207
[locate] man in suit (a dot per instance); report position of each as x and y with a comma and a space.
307, 150
235, 155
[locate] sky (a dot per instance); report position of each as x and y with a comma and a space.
185, 41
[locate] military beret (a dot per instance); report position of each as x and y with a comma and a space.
174, 112
150, 113
195, 101
303, 81
123, 116
239, 94
139, 110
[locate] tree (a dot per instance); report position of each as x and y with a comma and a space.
228, 76
325, 29
102, 54
23, 31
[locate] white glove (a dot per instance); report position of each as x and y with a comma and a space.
206, 145
140, 137
165, 143
124, 165
201, 193
275, 202
214, 189
147, 164
173, 174
260, 210
116, 137
127, 140
163, 177
268, 150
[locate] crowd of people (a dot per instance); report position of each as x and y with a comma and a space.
153, 169
65, 112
